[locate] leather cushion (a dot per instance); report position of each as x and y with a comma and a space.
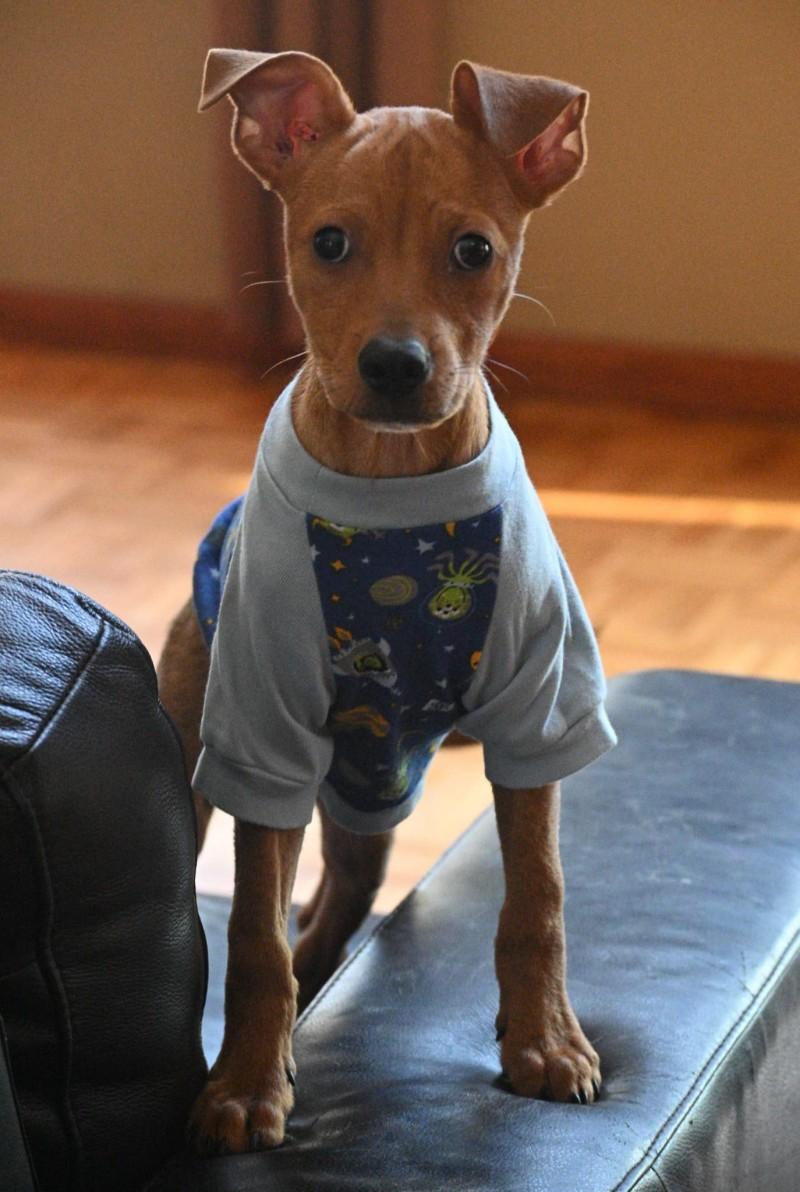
102, 969
682, 858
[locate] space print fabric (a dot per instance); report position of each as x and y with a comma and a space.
406, 613
211, 567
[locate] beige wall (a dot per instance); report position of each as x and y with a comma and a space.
685, 228
110, 178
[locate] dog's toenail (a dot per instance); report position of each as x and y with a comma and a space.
576, 1098
291, 1077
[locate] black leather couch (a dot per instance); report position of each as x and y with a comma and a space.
102, 967
683, 909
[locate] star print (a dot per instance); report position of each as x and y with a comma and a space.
449, 649
423, 546
338, 565
314, 553
365, 559
441, 683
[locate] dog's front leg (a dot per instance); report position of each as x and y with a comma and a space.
249, 1091
543, 1050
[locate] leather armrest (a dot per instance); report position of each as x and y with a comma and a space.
682, 856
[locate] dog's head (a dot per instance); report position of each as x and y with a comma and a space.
404, 226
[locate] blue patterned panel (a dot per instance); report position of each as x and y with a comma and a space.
211, 567
406, 613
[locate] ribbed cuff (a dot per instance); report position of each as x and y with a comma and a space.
582, 744
252, 795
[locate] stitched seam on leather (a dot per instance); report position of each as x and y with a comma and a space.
104, 614
68, 688
711, 1066
88, 605
384, 923
49, 965
43, 584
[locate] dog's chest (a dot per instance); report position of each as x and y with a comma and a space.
406, 614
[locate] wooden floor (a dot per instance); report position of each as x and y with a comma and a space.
683, 531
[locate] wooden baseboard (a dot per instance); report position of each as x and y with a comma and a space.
578, 370
643, 375
113, 323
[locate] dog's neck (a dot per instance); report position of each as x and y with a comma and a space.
346, 445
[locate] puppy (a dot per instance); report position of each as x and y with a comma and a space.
389, 574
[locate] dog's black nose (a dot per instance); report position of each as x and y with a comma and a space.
394, 367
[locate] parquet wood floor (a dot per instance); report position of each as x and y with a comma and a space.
683, 531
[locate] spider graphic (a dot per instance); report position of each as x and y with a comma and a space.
453, 600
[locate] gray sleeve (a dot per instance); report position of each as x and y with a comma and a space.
536, 702
265, 746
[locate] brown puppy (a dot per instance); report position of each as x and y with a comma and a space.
406, 186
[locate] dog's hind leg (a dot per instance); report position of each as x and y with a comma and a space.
355, 867
182, 676
307, 912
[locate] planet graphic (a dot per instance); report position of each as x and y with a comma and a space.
394, 589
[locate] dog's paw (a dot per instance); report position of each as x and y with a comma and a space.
227, 1120
558, 1064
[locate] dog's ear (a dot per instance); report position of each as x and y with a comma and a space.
535, 125
284, 103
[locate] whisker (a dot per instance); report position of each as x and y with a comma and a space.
536, 302
285, 360
500, 364
277, 281
495, 377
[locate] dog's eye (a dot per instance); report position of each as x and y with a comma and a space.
331, 244
472, 251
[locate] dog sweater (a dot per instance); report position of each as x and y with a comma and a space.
354, 622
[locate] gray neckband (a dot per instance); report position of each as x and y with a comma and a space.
452, 495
